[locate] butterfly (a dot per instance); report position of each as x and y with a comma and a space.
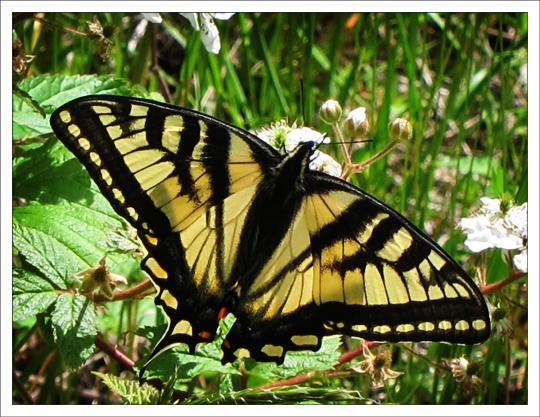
230, 225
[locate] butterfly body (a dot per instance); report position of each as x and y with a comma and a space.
231, 225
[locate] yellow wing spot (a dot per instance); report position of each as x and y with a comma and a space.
74, 130
118, 195
101, 109
353, 287
479, 324
242, 353
435, 292
204, 127
272, 350
172, 128
416, 290
365, 235
169, 299
156, 269
404, 328
445, 325
382, 329
85, 144
65, 116
462, 325
131, 143
114, 131
449, 291
461, 290
138, 124
426, 326
105, 176
107, 119
403, 239
138, 110
305, 340
375, 291
437, 261
133, 213
397, 293
395, 247
425, 269
95, 158
183, 327
359, 328
340, 325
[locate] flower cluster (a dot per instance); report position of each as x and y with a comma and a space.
286, 138
496, 227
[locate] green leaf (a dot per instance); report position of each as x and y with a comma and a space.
179, 364
74, 322
74, 226
278, 395
135, 393
297, 363
42, 252
51, 93
51, 174
183, 366
31, 295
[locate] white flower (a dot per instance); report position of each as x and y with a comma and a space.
492, 228
325, 163
286, 138
204, 22
491, 205
520, 261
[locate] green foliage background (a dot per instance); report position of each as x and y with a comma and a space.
459, 78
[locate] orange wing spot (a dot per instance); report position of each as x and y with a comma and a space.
222, 313
205, 335
226, 344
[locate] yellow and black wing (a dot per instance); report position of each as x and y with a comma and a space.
231, 225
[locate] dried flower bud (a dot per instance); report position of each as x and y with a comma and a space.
400, 130
356, 123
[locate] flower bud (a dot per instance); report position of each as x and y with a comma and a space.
330, 111
400, 130
356, 123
